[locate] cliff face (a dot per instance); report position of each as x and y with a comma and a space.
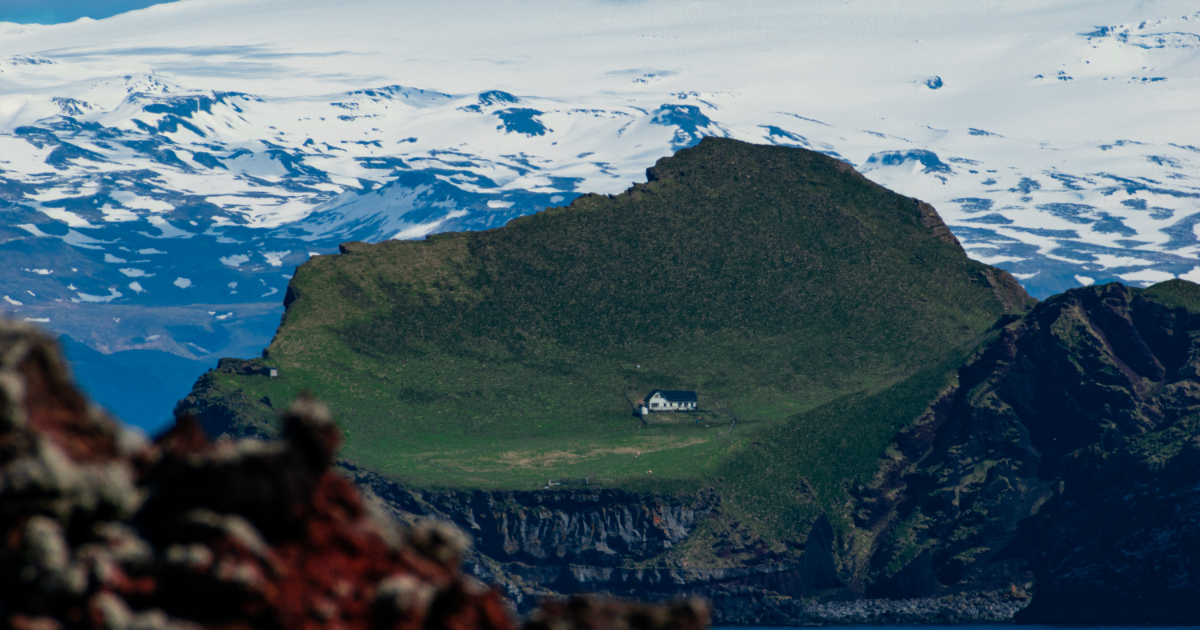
1119, 543
598, 527
1064, 458
542, 543
548, 543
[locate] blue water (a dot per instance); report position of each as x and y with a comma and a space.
59, 11
140, 387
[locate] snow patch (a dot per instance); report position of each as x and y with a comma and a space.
33, 229
166, 229
421, 230
1147, 276
1108, 261
84, 297
275, 259
79, 240
66, 216
118, 215
138, 202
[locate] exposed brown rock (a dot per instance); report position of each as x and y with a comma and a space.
932, 220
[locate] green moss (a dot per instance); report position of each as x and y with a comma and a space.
904, 543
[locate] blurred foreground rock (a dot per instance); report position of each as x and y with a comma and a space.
100, 529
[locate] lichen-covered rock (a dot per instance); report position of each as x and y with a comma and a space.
99, 529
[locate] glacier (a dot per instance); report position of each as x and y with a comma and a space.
203, 148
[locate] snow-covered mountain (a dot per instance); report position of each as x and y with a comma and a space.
163, 171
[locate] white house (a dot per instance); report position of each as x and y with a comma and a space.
664, 400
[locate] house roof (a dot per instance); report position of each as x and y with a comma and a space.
674, 395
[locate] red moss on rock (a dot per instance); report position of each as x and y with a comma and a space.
99, 529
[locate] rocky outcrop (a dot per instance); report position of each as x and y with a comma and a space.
223, 408
932, 220
1062, 462
565, 541
602, 527
579, 540
558, 544
100, 529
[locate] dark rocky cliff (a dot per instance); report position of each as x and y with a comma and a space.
1063, 463
543, 544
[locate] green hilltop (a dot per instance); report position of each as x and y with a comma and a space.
781, 285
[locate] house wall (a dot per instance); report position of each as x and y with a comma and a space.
658, 403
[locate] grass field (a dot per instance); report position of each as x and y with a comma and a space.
820, 309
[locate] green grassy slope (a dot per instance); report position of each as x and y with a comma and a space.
1177, 293
771, 280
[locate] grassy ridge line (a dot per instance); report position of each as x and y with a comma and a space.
1176, 293
774, 280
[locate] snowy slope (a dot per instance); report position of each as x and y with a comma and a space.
163, 171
